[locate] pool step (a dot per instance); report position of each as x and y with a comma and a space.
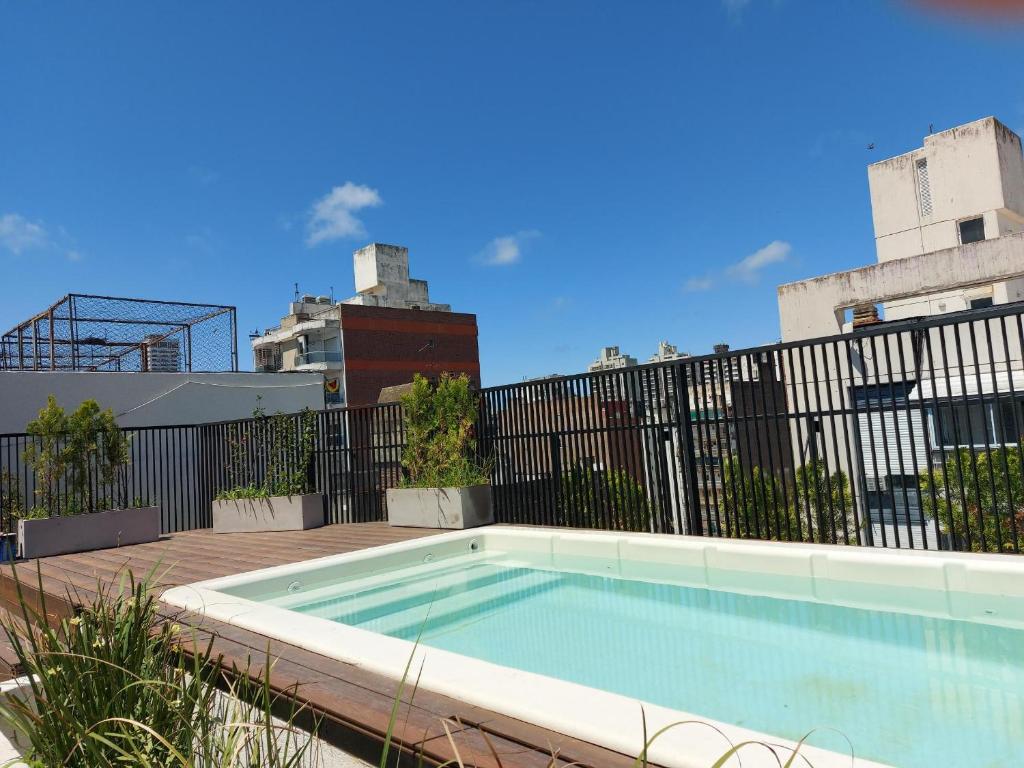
356, 606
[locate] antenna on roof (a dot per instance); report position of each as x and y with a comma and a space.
332, 294
296, 291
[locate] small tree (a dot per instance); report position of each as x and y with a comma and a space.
978, 501
441, 449
114, 457
10, 496
75, 456
47, 455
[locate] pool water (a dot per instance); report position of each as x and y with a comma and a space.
906, 690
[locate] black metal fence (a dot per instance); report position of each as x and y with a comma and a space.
355, 455
903, 434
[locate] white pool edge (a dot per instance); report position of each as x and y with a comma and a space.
600, 717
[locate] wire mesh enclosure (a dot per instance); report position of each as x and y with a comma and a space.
106, 333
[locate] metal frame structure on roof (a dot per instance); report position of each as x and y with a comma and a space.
83, 332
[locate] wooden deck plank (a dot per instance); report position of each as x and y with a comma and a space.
356, 702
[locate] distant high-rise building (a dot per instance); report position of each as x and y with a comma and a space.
667, 352
162, 355
609, 359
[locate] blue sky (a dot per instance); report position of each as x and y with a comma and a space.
576, 173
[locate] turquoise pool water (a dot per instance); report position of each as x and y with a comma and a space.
906, 690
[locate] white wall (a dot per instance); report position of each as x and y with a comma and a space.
973, 170
152, 399
812, 308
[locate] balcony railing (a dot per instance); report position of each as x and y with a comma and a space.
310, 358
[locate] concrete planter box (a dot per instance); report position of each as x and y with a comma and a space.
82, 533
458, 508
276, 513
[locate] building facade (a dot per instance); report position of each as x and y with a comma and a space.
949, 236
382, 336
963, 186
949, 231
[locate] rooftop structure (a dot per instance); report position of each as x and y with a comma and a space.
610, 358
667, 352
107, 333
382, 280
949, 234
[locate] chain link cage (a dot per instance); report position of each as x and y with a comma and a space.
105, 333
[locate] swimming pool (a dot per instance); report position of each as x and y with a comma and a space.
915, 657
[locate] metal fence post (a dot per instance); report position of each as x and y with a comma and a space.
694, 521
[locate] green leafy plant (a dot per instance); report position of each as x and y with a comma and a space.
112, 687
611, 499
11, 501
46, 454
812, 505
441, 447
979, 500
79, 460
282, 445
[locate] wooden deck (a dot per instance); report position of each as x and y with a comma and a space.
355, 705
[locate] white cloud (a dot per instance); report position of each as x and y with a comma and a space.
332, 216
18, 234
699, 284
507, 249
749, 268
74, 255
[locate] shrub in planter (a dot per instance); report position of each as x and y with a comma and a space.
80, 464
283, 500
444, 484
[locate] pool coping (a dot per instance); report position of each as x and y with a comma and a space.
516, 693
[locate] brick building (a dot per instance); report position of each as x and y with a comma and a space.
382, 336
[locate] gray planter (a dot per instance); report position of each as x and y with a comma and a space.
466, 507
276, 513
82, 533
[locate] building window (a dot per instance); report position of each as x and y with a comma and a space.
978, 424
972, 230
924, 190
981, 303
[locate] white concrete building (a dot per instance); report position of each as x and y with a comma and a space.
610, 359
163, 355
963, 186
949, 235
382, 280
667, 352
949, 232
